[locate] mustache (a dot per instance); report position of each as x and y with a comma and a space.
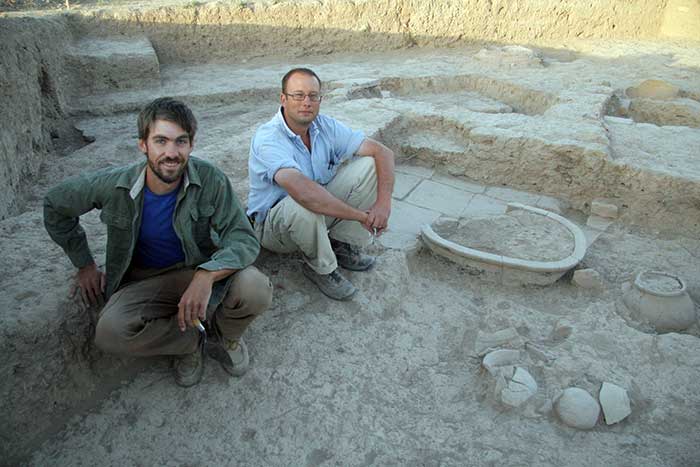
170, 159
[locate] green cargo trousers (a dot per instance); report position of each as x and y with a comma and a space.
140, 319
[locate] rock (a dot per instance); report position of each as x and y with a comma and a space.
587, 279
510, 56
603, 209
598, 223
577, 408
615, 403
653, 89
487, 342
499, 358
519, 389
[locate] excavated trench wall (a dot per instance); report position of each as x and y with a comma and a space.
33, 82
221, 31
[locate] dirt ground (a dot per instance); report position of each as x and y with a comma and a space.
395, 376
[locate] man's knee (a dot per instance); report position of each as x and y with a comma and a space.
251, 288
109, 336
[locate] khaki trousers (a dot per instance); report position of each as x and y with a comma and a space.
140, 319
291, 227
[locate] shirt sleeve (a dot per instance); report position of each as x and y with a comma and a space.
63, 206
346, 142
238, 246
269, 157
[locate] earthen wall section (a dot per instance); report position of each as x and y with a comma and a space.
224, 31
32, 85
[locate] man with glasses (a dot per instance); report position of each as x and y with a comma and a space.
302, 199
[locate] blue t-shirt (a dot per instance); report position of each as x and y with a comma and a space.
276, 147
158, 246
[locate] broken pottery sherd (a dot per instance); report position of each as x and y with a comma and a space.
498, 358
615, 403
487, 342
521, 387
661, 300
577, 408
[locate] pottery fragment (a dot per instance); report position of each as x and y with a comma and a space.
615, 403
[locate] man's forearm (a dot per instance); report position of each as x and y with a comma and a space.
317, 199
214, 276
384, 165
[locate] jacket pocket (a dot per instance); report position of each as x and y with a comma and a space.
119, 232
201, 226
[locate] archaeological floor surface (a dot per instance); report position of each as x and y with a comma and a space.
392, 377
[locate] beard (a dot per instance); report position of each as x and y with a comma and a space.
164, 176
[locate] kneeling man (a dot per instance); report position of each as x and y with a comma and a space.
302, 199
178, 245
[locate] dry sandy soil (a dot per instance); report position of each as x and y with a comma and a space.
395, 376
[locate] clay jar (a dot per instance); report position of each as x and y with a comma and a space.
660, 299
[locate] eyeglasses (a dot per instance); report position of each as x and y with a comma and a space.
300, 96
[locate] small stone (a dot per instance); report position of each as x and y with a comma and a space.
615, 403
587, 279
598, 223
577, 408
653, 89
520, 388
603, 209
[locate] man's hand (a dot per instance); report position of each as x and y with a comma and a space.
193, 303
90, 282
378, 217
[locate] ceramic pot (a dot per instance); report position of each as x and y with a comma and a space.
661, 299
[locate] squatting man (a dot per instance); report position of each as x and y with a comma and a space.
164, 268
301, 197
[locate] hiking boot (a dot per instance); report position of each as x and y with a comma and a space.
333, 285
238, 351
232, 354
189, 368
351, 257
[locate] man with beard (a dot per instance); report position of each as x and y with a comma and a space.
179, 249
304, 197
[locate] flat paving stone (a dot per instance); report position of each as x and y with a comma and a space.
458, 183
481, 205
407, 218
404, 183
443, 198
512, 196
417, 170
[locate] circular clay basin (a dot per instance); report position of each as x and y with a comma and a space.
526, 245
661, 300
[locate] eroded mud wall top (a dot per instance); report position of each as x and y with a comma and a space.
32, 84
219, 31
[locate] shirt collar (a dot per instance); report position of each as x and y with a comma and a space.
134, 181
280, 121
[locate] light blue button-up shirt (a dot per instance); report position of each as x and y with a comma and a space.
276, 147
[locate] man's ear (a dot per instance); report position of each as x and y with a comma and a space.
143, 147
283, 98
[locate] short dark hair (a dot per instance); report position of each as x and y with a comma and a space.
304, 71
169, 109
